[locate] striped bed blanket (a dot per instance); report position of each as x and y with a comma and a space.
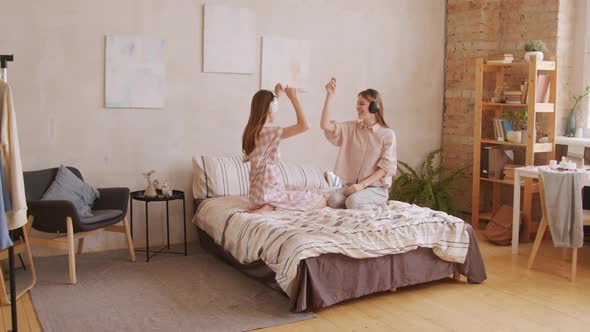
283, 238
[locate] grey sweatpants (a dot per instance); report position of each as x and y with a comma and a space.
364, 199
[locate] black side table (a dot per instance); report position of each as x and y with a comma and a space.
139, 196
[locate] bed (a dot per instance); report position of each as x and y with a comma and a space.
322, 257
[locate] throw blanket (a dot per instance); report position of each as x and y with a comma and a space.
283, 238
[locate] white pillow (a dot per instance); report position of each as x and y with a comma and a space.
229, 176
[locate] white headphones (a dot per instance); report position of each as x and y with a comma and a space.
274, 105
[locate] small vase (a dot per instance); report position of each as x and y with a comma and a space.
539, 54
570, 126
150, 191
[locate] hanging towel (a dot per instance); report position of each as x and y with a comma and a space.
563, 201
11, 160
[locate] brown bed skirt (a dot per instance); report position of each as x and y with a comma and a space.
331, 278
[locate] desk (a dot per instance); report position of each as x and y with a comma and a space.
519, 173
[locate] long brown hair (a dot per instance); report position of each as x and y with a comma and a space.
374, 95
258, 114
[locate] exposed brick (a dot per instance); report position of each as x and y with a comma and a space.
475, 29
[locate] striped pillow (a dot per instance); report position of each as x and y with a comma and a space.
229, 176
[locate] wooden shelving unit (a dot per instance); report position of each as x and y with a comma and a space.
531, 147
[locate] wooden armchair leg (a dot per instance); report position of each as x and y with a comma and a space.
129, 240
80, 246
26, 234
71, 250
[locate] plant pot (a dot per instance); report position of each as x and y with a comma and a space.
514, 136
527, 56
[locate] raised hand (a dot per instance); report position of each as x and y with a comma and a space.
279, 90
331, 86
291, 92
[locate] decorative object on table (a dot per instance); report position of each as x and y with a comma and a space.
570, 126
565, 164
429, 188
157, 185
150, 190
166, 189
534, 47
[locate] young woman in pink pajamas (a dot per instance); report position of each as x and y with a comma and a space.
260, 144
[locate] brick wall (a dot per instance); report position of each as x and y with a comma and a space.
476, 29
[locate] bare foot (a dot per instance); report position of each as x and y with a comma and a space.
264, 208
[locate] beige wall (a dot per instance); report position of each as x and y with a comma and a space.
396, 47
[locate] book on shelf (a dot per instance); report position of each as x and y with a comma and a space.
512, 96
500, 58
499, 62
499, 130
506, 126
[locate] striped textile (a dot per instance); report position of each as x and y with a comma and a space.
229, 176
283, 238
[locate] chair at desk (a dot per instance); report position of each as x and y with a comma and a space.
543, 227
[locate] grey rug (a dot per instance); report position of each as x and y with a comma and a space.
170, 293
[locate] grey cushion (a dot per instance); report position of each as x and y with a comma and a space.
67, 186
101, 215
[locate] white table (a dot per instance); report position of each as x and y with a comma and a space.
519, 173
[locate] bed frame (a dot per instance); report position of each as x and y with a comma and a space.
317, 276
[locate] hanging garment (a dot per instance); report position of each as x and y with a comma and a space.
5, 240
11, 161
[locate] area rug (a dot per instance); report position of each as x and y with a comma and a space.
198, 292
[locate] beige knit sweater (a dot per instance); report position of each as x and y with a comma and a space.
11, 160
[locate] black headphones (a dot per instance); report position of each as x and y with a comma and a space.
373, 106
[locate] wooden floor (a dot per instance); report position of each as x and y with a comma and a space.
512, 299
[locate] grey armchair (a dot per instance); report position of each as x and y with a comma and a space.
58, 216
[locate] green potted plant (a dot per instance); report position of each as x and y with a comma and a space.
570, 127
519, 120
429, 188
534, 47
